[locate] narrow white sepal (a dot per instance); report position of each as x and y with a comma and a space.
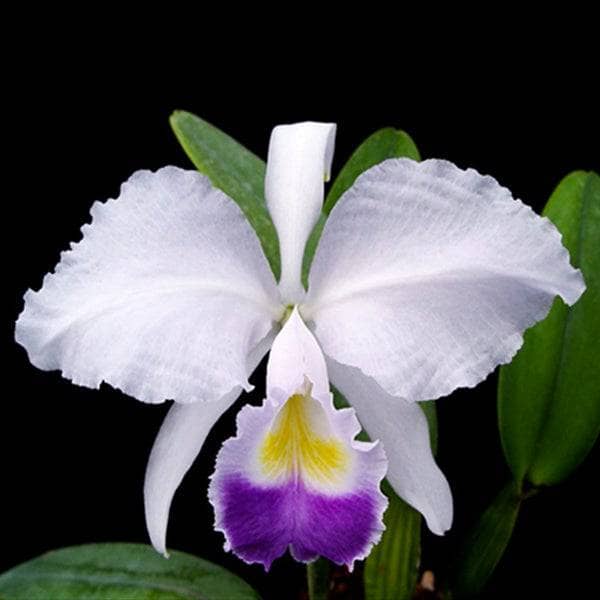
177, 445
299, 162
402, 428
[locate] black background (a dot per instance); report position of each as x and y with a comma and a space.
73, 459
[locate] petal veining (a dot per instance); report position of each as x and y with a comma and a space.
164, 297
294, 448
426, 277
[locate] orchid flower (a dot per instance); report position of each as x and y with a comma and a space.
424, 280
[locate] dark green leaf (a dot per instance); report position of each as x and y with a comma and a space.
430, 411
132, 571
392, 568
549, 396
485, 544
318, 575
381, 145
233, 169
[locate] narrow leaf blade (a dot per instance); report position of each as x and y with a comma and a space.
549, 396
485, 544
233, 169
318, 575
392, 568
430, 410
133, 571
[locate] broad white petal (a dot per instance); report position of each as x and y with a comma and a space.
401, 427
164, 297
294, 476
426, 277
299, 162
177, 444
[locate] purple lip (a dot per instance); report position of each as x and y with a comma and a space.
261, 522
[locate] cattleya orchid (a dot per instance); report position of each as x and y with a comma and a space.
424, 280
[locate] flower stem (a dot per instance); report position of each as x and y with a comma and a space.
317, 573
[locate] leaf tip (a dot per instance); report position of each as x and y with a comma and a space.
179, 115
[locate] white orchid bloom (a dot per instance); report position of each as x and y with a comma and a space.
424, 280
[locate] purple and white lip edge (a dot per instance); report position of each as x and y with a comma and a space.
262, 522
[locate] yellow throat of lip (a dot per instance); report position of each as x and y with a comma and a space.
292, 447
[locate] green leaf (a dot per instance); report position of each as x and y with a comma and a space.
430, 411
392, 568
318, 575
549, 396
233, 169
381, 145
485, 544
108, 571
